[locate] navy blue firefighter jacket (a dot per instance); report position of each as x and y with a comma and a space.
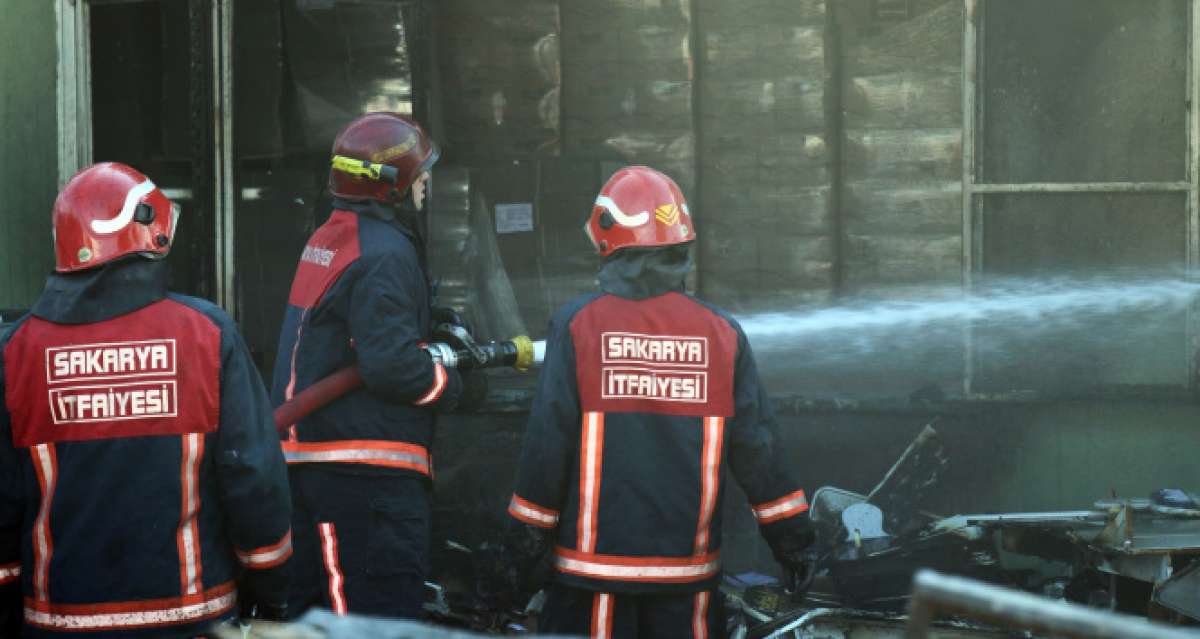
140, 472
361, 296
647, 401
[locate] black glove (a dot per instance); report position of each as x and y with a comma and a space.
497, 578
264, 611
263, 595
793, 550
505, 571
439, 315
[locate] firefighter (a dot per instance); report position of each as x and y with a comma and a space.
140, 472
360, 467
646, 396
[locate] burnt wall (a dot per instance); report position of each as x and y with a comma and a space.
627, 69
499, 76
767, 238
902, 207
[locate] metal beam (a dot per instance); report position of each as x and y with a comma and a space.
74, 103
970, 75
935, 593
1193, 170
1085, 187
223, 201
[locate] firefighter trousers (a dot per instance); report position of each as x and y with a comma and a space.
573, 611
361, 542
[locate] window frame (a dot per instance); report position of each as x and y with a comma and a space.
974, 191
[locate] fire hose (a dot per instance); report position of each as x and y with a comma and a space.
455, 348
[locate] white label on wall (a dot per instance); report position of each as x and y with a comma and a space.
514, 218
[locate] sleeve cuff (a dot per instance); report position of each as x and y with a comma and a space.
532, 514
439, 386
268, 556
787, 506
9, 573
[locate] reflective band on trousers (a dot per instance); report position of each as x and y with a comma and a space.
370, 452
131, 614
647, 569
602, 615
700, 616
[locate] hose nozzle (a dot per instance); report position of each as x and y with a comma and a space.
525, 353
520, 353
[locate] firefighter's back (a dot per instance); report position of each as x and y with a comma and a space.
655, 379
112, 420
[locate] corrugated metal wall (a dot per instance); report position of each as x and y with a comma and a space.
28, 148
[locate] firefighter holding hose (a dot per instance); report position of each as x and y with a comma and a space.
646, 396
360, 466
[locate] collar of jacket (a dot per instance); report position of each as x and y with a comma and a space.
403, 219
369, 208
102, 293
644, 273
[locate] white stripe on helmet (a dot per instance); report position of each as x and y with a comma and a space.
619, 215
123, 218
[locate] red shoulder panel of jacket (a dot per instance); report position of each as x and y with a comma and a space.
155, 371
329, 252
667, 355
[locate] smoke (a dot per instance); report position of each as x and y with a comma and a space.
1045, 334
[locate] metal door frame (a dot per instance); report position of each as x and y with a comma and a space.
74, 111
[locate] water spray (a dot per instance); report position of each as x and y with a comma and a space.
1034, 305
1043, 334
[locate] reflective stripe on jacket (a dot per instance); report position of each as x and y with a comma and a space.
642, 405
361, 295
140, 472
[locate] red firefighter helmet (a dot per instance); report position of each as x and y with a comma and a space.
378, 156
107, 211
639, 206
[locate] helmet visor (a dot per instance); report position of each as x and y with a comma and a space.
175, 210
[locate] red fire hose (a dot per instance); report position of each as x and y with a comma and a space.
518, 352
314, 397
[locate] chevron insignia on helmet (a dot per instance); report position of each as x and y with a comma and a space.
668, 214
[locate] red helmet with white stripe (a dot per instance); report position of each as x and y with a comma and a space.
639, 207
107, 211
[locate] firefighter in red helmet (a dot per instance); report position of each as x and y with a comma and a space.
360, 467
140, 472
646, 396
